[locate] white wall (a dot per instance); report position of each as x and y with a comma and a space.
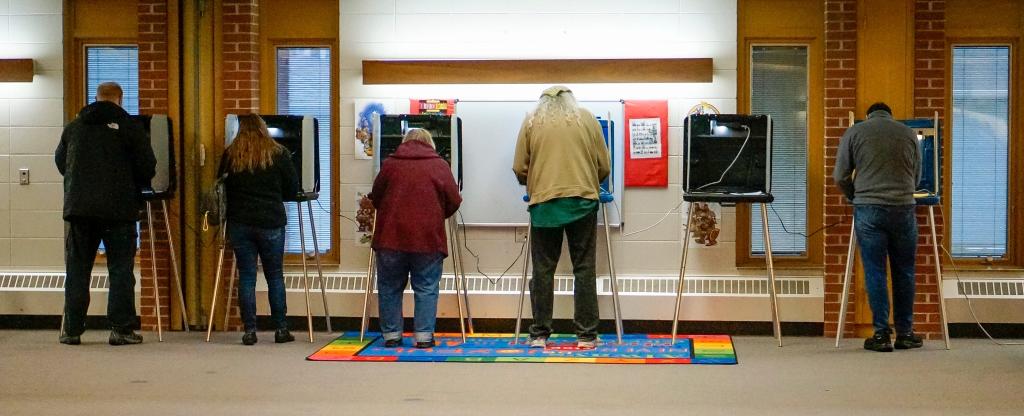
524, 29
31, 117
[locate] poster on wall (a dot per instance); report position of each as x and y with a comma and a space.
432, 106
364, 111
647, 140
364, 218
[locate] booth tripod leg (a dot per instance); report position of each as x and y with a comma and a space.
174, 267
459, 288
216, 280
305, 271
938, 274
461, 273
319, 268
682, 272
845, 299
369, 284
522, 284
152, 264
611, 272
776, 326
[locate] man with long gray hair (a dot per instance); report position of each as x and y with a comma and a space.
562, 159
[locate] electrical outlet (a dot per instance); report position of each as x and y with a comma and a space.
23, 177
521, 234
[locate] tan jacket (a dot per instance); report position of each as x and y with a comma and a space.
558, 160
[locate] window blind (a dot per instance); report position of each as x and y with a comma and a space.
119, 64
304, 88
980, 124
779, 86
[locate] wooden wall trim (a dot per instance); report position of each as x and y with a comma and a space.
537, 71
16, 70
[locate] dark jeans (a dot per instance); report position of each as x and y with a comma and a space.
888, 232
82, 237
546, 248
393, 271
248, 241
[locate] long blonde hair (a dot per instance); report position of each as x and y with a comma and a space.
556, 104
252, 148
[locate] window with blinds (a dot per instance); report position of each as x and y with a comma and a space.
119, 64
980, 124
779, 84
304, 88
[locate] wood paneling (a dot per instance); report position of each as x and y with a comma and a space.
537, 71
16, 70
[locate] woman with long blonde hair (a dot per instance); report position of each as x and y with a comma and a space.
260, 177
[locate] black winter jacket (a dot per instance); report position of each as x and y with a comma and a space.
106, 160
257, 198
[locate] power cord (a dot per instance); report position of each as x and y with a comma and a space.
465, 243
738, 154
823, 228
663, 217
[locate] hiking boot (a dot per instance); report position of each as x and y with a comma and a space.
70, 339
425, 344
880, 343
908, 341
586, 344
124, 338
538, 342
282, 336
249, 338
393, 343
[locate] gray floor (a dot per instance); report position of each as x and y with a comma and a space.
184, 375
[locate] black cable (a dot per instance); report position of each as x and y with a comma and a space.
823, 228
465, 243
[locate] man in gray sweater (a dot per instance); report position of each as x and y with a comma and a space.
878, 167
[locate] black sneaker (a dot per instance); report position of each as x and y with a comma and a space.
908, 341
282, 336
70, 339
249, 338
879, 342
124, 338
425, 344
392, 343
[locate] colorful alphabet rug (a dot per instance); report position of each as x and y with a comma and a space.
499, 348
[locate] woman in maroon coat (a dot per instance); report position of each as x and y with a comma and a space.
414, 193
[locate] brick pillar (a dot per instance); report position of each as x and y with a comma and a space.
929, 97
241, 95
152, 41
840, 100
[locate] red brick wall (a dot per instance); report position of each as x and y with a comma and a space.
152, 41
840, 100
929, 97
240, 75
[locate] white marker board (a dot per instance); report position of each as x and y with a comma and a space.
491, 194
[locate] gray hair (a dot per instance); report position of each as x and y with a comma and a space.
556, 104
419, 135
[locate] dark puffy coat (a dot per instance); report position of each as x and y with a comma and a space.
414, 193
106, 160
257, 198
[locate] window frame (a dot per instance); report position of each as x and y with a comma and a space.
1014, 251
814, 255
268, 105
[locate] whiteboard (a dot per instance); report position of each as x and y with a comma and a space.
491, 195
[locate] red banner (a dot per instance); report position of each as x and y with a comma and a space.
646, 143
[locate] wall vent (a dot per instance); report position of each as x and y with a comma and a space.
989, 289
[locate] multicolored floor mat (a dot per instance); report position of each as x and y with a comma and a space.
498, 348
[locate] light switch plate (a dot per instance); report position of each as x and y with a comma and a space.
23, 177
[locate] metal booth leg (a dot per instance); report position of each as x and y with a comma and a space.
461, 273
682, 272
152, 264
938, 274
369, 284
522, 284
611, 272
305, 271
459, 288
216, 279
174, 267
847, 277
319, 269
776, 327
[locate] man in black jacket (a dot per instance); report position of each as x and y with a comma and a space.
106, 160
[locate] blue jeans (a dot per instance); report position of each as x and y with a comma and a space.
888, 232
393, 270
248, 241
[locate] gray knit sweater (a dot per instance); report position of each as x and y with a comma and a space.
879, 162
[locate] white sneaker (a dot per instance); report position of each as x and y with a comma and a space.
539, 342
586, 345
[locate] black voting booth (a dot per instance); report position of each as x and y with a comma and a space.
728, 161
300, 135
